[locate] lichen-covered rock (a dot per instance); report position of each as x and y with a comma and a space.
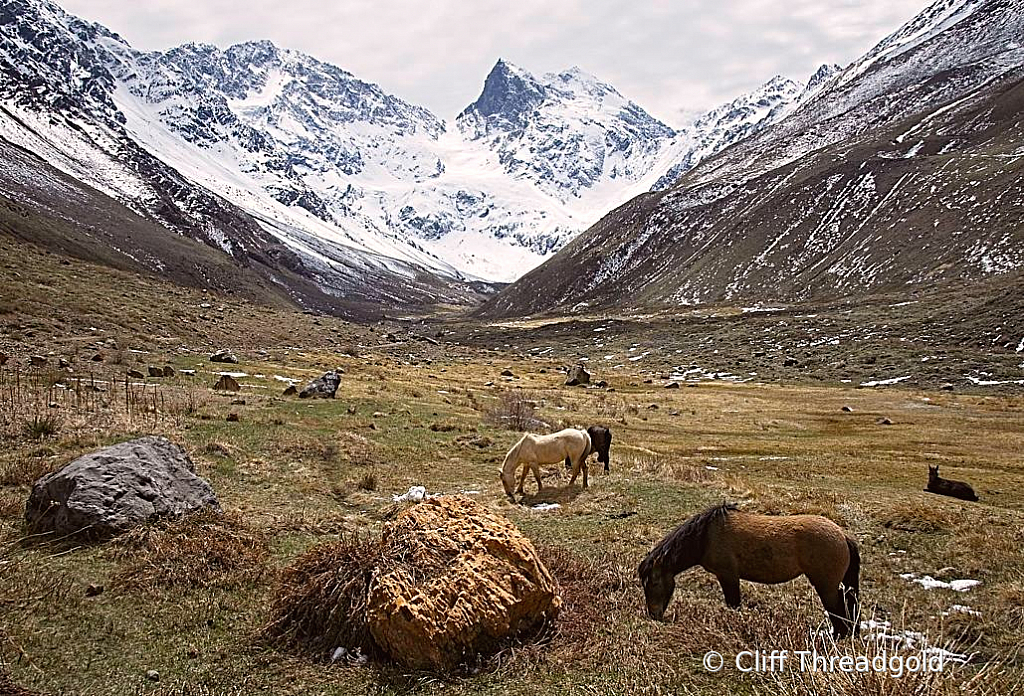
323, 387
455, 581
113, 489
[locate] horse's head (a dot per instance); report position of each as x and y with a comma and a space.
659, 583
508, 482
933, 472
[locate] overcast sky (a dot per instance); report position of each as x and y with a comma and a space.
673, 57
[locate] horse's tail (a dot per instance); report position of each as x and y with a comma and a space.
851, 584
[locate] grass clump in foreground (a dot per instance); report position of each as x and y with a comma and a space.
320, 603
199, 550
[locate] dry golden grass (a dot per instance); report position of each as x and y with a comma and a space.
201, 550
320, 602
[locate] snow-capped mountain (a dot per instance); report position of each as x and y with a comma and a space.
270, 154
901, 171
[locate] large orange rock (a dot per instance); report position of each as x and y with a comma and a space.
456, 580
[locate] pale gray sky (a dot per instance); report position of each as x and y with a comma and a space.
673, 57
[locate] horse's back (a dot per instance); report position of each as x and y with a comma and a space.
777, 548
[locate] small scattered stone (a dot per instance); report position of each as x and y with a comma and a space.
847, 409
238, 402
792, 362
64, 364
93, 590
351, 410
884, 421
379, 414
37, 361
135, 374
291, 391
153, 675
488, 384
946, 387
169, 371
507, 373
4, 357
98, 357
652, 407
601, 383
672, 385
232, 418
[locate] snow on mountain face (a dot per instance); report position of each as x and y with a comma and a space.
730, 123
334, 168
565, 132
903, 170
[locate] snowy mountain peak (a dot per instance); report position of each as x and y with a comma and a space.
509, 95
823, 75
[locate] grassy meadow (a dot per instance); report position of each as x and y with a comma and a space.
422, 404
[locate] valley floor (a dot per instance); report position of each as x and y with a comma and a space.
426, 404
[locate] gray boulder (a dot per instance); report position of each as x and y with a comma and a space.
224, 356
577, 375
116, 488
323, 387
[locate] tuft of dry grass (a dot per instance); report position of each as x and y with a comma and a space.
915, 516
199, 550
320, 603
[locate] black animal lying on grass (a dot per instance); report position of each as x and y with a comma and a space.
954, 489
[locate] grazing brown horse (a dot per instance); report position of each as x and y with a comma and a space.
736, 545
954, 489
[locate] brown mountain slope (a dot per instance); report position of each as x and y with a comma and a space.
929, 199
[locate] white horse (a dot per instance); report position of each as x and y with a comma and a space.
534, 450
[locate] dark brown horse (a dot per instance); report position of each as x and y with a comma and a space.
954, 489
600, 442
736, 545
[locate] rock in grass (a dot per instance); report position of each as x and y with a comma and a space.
169, 371
224, 356
291, 390
227, 383
135, 374
455, 580
37, 361
116, 488
156, 371
323, 387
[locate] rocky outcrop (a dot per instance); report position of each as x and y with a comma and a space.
323, 387
109, 491
455, 581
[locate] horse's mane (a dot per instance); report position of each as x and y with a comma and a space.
687, 540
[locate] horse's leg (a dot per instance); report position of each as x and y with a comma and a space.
575, 473
832, 600
522, 477
585, 471
731, 590
536, 474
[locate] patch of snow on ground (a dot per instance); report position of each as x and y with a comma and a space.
883, 382
545, 507
415, 494
882, 632
930, 583
234, 375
